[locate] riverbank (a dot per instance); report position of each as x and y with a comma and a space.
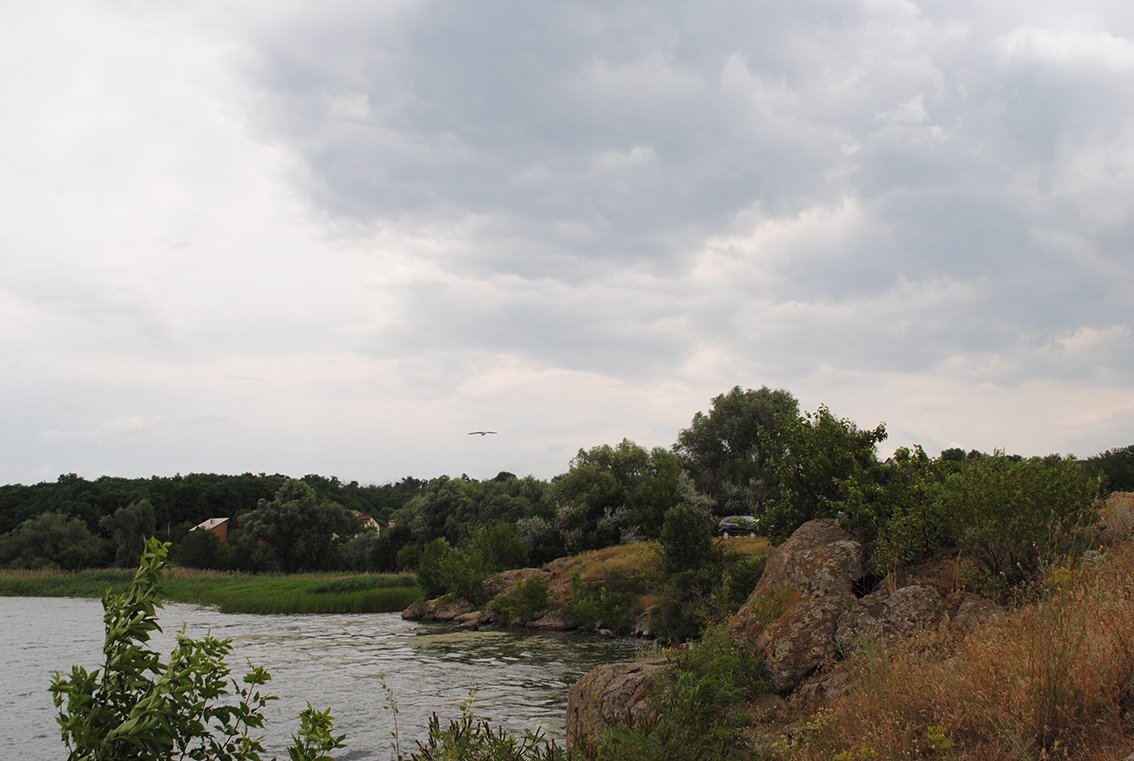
612, 591
232, 592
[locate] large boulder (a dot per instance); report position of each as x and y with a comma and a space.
820, 560
884, 616
804, 614
607, 695
793, 613
801, 641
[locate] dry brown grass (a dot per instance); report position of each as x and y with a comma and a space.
1052, 680
638, 558
1118, 517
630, 559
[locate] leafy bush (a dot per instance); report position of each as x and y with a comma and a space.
683, 608
50, 539
700, 705
463, 573
1014, 516
138, 707
738, 579
430, 575
611, 604
524, 602
686, 539
203, 549
368, 551
499, 545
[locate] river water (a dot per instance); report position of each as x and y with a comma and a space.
338, 661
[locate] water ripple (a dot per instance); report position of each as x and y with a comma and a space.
516, 680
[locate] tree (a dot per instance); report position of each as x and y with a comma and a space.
728, 450
610, 492
368, 551
1117, 467
888, 507
138, 707
203, 549
50, 539
686, 539
500, 545
296, 531
128, 528
813, 457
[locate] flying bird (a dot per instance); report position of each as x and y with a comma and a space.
480, 433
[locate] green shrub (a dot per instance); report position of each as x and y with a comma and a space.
1014, 517
470, 739
611, 603
524, 602
463, 573
499, 545
700, 707
683, 608
408, 557
50, 539
686, 539
739, 578
137, 707
203, 549
430, 573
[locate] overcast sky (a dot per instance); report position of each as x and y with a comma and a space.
334, 237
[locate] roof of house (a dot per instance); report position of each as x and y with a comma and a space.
210, 524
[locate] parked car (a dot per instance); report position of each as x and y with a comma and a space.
737, 525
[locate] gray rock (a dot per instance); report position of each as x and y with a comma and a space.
552, 621
801, 641
884, 616
973, 611
608, 695
818, 559
793, 612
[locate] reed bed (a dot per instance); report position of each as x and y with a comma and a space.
233, 592
1051, 680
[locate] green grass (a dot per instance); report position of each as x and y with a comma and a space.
233, 592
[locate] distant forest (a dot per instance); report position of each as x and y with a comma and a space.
754, 453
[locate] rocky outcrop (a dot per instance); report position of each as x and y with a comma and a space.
438, 609
809, 611
793, 613
804, 614
552, 621
609, 695
884, 616
800, 641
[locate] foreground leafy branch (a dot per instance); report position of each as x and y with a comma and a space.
137, 707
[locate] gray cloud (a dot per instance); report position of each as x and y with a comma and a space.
385, 212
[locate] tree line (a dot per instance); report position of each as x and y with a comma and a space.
753, 452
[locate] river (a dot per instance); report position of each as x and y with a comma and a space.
515, 679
